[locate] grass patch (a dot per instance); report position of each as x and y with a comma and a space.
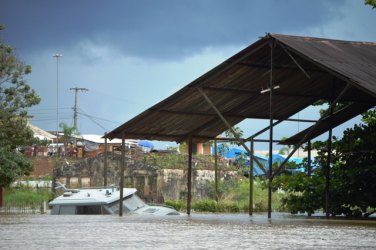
22, 196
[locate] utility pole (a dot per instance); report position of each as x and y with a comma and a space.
75, 107
57, 56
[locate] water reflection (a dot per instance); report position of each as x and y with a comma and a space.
197, 231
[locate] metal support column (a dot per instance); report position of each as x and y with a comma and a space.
216, 169
327, 176
309, 160
105, 160
329, 160
270, 175
251, 179
1, 196
122, 167
189, 174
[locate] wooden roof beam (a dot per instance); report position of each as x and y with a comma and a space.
279, 67
182, 112
167, 137
324, 96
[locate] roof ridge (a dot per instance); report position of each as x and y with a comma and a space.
276, 35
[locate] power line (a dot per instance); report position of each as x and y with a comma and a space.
50, 119
95, 119
64, 116
53, 109
91, 118
98, 118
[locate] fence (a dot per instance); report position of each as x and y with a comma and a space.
24, 208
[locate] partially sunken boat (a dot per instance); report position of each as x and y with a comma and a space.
104, 200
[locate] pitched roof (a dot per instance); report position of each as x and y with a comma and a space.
305, 69
40, 133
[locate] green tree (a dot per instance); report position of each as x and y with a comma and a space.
371, 3
69, 135
353, 175
16, 96
229, 134
285, 150
224, 147
69, 132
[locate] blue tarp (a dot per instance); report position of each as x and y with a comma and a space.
146, 144
275, 158
232, 153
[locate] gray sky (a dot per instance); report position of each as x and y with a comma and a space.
133, 54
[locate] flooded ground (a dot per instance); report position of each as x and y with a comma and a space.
197, 231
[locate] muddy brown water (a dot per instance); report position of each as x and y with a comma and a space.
197, 231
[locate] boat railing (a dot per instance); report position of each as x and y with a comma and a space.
65, 189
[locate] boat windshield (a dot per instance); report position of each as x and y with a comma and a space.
131, 203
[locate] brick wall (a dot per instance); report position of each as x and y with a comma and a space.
42, 166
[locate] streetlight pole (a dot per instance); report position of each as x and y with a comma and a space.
57, 55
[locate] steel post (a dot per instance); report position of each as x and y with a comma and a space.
216, 169
122, 167
309, 167
251, 179
327, 176
270, 175
189, 174
105, 160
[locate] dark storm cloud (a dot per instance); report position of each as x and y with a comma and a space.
155, 29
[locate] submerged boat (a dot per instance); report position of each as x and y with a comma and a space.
104, 200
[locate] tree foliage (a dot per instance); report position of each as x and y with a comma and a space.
229, 134
371, 3
12, 165
352, 173
68, 132
16, 96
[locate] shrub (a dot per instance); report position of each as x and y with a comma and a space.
229, 207
205, 206
178, 204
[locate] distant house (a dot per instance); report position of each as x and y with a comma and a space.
41, 134
94, 144
202, 148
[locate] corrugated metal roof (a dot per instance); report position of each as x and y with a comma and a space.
305, 69
353, 60
100, 140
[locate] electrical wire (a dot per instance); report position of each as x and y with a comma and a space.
48, 114
94, 119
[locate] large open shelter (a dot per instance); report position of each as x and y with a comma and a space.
273, 78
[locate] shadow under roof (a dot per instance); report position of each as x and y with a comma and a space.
305, 69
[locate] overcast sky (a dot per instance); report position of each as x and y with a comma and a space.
133, 54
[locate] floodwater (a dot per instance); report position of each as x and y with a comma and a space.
197, 231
